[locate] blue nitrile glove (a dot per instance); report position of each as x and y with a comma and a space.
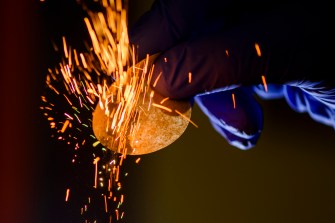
215, 41
304, 96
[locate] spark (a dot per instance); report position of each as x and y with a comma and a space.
157, 79
44, 99
67, 115
65, 48
95, 162
66, 123
258, 50
164, 100
77, 118
264, 83
138, 160
121, 160
52, 88
96, 143
117, 214
233, 98
83, 60
67, 195
185, 117
162, 107
189, 77
106, 208
76, 57
117, 174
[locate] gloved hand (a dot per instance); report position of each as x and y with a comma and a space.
226, 46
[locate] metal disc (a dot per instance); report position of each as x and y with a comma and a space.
156, 128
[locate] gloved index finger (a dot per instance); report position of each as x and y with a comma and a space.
167, 23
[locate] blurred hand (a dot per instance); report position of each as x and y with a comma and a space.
215, 50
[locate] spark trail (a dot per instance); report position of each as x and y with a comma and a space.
97, 77
106, 78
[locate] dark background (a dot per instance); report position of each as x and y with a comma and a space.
288, 177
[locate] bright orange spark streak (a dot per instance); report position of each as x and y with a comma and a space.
93, 36
162, 107
164, 100
157, 79
68, 100
43, 99
121, 199
182, 115
95, 162
189, 77
54, 89
76, 57
65, 48
117, 174
117, 214
90, 100
67, 195
150, 74
227, 53
264, 83
83, 60
146, 64
121, 160
258, 50
109, 185
66, 123
138, 160
106, 208
234, 102
70, 58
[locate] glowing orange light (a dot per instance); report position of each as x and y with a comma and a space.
258, 49
234, 102
185, 117
67, 195
264, 83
